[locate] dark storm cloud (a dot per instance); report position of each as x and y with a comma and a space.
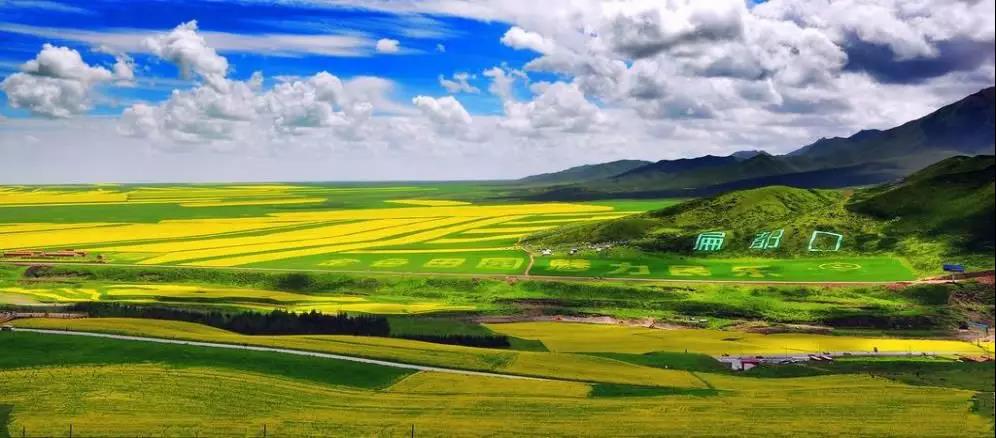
952, 56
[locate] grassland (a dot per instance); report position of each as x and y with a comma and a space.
39, 350
921, 307
128, 393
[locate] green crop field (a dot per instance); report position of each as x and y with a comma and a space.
132, 388
825, 269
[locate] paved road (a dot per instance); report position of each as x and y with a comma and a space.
473, 275
279, 350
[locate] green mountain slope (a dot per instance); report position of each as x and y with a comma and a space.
740, 214
954, 197
941, 213
585, 173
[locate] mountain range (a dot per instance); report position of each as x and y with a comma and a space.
965, 127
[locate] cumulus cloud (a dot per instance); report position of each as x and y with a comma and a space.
387, 45
557, 107
57, 83
502, 80
446, 114
187, 49
460, 83
316, 102
643, 29
518, 38
204, 114
225, 112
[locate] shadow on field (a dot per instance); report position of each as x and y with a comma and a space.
5, 420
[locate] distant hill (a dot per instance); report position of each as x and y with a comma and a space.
867, 157
945, 210
585, 173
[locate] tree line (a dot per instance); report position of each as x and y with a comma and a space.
485, 341
276, 322
280, 322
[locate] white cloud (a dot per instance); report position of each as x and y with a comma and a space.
190, 52
320, 101
203, 115
43, 5
446, 113
557, 107
459, 84
640, 29
387, 45
225, 113
502, 80
272, 44
517, 38
57, 83
64, 63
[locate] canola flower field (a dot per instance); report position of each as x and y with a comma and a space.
378, 228
229, 392
424, 228
347, 228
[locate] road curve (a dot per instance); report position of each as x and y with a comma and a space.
279, 350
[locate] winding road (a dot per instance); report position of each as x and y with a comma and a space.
281, 351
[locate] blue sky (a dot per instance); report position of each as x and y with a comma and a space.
470, 45
255, 90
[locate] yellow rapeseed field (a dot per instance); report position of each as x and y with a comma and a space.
253, 202
224, 242
263, 300
48, 196
427, 202
506, 230
417, 237
576, 338
269, 238
125, 232
477, 239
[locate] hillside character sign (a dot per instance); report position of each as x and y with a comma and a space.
710, 241
767, 239
825, 241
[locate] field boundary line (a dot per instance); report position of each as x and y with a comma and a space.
278, 350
